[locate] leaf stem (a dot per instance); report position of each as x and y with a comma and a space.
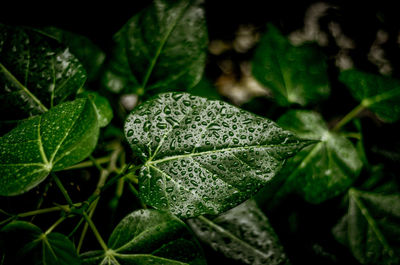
136, 193
96, 163
95, 231
59, 221
62, 189
351, 115
90, 163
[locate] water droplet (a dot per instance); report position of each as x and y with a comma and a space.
161, 125
130, 133
167, 110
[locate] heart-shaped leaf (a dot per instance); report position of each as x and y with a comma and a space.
149, 237
371, 227
321, 171
169, 53
59, 138
89, 54
25, 243
294, 74
204, 156
36, 73
242, 234
380, 94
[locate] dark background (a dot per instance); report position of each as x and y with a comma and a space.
303, 229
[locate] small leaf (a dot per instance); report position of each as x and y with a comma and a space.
149, 237
36, 72
169, 53
204, 156
242, 234
294, 74
89, 54
324, 170
102, 106
378, 93
371, 228
25, 243
59, 138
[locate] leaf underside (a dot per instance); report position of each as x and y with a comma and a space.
204, 156
243, 234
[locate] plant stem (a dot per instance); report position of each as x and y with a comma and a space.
99, 161
76, 227
59, 221
351, 115
95, 163
136, 193
95, 231
62, 189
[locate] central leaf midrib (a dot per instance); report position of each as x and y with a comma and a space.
23, 88
166, 159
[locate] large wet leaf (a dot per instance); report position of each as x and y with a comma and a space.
378, 93
167, 54
36, 73
204, 156
242, 234
89, 54
59, 138
294, 74
149, 237
25, 243
371, 228
321, 171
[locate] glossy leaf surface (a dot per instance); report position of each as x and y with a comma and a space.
168, 54
59, 138
102, 106
294, 74
242, 234
324, 170
36, 73
204, 156
149, 237
371, 228
380, 94
89, 54
25, 243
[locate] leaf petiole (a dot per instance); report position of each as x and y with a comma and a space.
95, 231
351, 115
62, 189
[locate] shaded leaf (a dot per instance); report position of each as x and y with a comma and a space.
294, 74
205, 89
324, 170
204, 156
36, 72
371, 228
102, 106
59, 138
169, 53
35, 247
380, 94
243, 234
89, 54
149, 237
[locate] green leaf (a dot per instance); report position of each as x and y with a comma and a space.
36, 73
324, 170
149, 237
371, 227
25, 243
59, 138
204, 156
168, 54
89, 54
242, 234
102, 106
380, 94
294, 74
